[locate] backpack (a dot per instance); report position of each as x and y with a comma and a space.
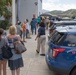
6, 51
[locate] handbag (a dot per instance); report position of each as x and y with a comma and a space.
6, 52
19, 47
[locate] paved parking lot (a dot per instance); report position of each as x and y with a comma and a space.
34, 64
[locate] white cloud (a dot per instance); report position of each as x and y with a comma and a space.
55, 5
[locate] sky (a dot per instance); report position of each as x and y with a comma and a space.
58, 4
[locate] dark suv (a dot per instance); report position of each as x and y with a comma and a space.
61, 55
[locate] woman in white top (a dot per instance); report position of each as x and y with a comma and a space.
27, 28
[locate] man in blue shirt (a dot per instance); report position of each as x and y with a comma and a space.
33, 24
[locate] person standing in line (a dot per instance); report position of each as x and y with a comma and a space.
5, 33
41, 39
19, 29
46, 22
33, 24
24, 30
3, 62
38, 21
27, 29
16, 61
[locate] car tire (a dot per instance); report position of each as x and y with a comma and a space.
73, 72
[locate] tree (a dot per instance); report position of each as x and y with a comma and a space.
4, 9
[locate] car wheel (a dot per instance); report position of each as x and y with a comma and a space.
73, 72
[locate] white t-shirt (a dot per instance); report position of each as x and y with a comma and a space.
19, 28
27, 26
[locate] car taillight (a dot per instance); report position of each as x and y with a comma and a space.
56, 51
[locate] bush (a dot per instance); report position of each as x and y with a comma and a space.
4, 24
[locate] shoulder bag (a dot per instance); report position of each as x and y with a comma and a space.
6, 52
19, 47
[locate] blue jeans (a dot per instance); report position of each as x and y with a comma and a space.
21, 35
27, 32
33, 30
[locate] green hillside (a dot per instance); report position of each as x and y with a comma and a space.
68, 13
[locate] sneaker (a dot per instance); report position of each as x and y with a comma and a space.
37, 51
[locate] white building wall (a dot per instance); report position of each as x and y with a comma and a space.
28, 8
39, 7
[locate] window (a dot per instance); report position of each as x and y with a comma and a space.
52, 34
66, 24
70, 40
56, 36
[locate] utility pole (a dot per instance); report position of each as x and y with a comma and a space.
13, 13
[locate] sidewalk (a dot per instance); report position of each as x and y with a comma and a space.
34, 64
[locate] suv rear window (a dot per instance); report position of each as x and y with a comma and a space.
70, 40
63, 39
55, 36
52, 27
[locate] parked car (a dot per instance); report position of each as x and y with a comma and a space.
60, 23
66, 19
61, 55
